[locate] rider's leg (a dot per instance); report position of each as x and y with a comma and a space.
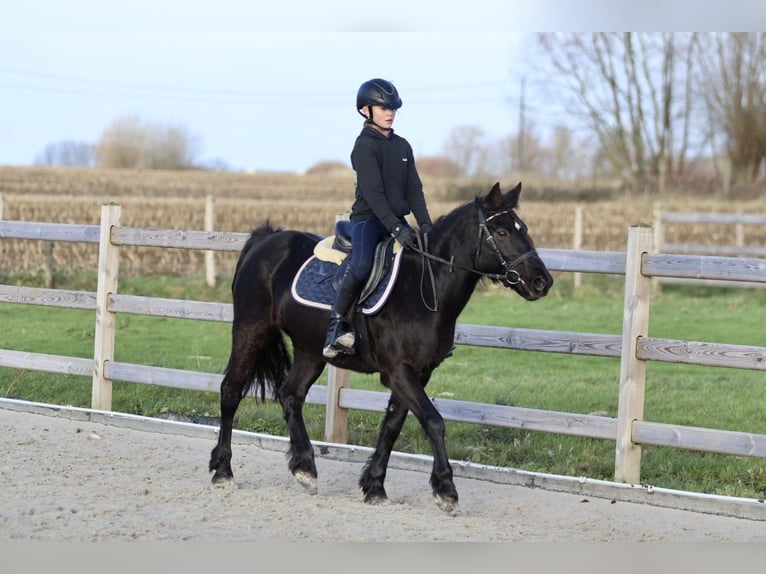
365, 235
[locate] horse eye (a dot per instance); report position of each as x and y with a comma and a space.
502, 232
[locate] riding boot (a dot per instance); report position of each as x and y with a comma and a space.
340, 334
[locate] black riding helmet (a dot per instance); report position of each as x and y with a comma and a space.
377, 92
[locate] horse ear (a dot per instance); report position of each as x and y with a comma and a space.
494, 199
513, 195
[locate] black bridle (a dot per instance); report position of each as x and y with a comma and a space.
510, 277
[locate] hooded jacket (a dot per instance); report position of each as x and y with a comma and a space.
387, 183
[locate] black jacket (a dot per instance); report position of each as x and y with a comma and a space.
387, 182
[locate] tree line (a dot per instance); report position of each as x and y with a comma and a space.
128, 142
645, 109
656, 103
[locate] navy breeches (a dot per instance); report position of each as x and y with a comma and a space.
365, 235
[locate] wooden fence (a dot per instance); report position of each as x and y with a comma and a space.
633, 347
740, 248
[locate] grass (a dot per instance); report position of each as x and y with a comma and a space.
680, 394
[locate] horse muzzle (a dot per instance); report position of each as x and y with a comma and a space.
533, 284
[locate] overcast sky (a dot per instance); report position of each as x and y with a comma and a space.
272, 85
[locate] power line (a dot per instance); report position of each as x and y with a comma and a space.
62, 84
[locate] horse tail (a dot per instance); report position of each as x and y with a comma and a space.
272, 361
256, 236
270, 367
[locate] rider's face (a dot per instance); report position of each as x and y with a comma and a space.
383, 117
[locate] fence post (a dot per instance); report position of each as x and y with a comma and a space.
635, 324
108, 267
577, 244
336, 418
658, 238
210, 254
739, 231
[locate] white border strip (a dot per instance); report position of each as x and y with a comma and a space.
736, 507
371, 311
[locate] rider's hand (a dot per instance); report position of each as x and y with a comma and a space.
425, 228
405, 236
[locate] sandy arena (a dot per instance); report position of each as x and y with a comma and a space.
66, 479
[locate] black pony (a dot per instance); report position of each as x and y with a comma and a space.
410, 336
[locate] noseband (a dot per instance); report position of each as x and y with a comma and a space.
511, 276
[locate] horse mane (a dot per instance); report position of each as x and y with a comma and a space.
456, 214
508, 202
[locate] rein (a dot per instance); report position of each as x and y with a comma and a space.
510, 277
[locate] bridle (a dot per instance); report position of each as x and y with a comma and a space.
510, 277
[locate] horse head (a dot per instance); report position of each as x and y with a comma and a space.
504, 249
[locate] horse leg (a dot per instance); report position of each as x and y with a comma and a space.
292, 396
220, 458
406, 385
244, 351
374, 472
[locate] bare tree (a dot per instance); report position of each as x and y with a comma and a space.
67, 153
733, 85
467, 148
567, 158
132, 143
631, 89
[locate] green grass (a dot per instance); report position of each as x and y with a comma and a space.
730, 399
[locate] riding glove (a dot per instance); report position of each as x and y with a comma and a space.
405, 235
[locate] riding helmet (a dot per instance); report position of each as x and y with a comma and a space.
377, 92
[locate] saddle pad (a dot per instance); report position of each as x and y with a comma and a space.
312, 285
324, 251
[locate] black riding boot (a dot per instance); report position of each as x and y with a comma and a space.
340, 334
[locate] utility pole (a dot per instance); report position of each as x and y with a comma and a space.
522, 126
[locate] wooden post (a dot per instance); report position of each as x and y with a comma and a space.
577, 244
635, 324
739, 230
336, 418
210, 254
108, 267
659, 239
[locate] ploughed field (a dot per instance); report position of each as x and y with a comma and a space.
309, 202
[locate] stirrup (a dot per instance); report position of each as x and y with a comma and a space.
345, 340
334, 349
343, 343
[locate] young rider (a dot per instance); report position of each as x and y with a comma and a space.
387, 189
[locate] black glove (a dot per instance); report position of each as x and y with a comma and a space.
425, 228
405, 236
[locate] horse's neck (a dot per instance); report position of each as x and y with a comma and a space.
455, 285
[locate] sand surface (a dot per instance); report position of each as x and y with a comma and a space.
72, 480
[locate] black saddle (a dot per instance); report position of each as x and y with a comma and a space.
381, 262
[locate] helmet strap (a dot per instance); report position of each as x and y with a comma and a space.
369, 120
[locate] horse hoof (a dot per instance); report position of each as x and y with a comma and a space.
447, 503
375, 500
307, 481
224, 482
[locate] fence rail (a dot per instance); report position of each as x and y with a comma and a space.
633, 347
739, 249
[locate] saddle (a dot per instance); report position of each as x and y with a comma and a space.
319, 277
